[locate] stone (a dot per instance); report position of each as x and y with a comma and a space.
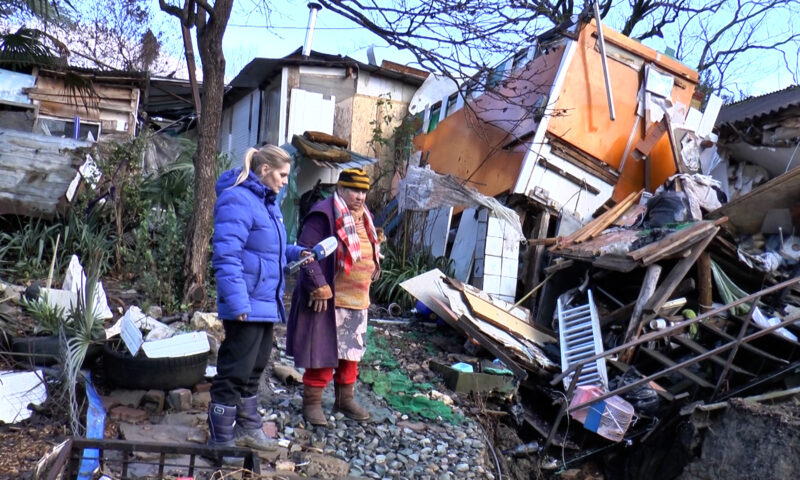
202, 387
201, 400
153, 401
180, 399
123, 413
206, 321
154, 311
129, 398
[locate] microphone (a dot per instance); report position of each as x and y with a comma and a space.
318, 252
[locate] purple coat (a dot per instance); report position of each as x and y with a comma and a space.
311, 337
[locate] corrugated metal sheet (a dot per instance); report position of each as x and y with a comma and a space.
35, 172
757, 106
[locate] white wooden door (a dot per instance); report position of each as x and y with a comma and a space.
309, 111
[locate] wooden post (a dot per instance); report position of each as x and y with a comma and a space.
648, 287
190, 65
538, 255
704, 281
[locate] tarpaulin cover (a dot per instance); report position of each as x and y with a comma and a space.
423, 189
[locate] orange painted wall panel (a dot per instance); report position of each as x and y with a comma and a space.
469, 143
468, 149
584, 119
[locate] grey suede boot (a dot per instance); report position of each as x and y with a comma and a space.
346, 403
248, 431
312, 406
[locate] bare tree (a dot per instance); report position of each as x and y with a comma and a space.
460, 38
209, 23
93, 34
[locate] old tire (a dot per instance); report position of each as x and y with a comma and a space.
125, 371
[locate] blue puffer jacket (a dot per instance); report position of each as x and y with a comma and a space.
250, 250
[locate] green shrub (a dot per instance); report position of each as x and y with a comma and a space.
395, 270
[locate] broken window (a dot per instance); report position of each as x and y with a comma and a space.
59, 127
436, 110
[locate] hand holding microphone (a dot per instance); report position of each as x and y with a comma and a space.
318, 252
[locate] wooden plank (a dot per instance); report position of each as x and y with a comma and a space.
746, 213
572, 178
558, 265
486, 342
687, 241
697, 348
616, 263
677, 273
538, 255
601, 222
653, 134
582, 160
504, 320
672, 239
609, 217
635, 323
668, 362
704, 288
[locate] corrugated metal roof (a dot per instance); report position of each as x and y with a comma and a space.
762, 105
260, 70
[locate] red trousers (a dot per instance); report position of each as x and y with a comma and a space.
346, 374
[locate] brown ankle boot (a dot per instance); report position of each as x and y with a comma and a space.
346, 404
312, 405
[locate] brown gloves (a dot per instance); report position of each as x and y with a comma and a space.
318, 299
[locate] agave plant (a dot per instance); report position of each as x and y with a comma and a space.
395, 269
86, 328
48, 318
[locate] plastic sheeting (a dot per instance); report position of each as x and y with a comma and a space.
423, 189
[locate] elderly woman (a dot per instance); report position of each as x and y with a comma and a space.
250, 252
327, 326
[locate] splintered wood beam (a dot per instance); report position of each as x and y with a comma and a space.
697, 348
634, 325
668, 362
675, 275
704, 281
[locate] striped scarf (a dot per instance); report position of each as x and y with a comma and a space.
349, 250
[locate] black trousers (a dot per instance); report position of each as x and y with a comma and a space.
242, 357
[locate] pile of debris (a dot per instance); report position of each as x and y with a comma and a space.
658, 274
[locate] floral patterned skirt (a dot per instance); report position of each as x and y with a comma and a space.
351, 330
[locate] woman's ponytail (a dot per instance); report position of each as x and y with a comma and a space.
248, 158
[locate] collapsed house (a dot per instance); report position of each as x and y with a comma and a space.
653, 290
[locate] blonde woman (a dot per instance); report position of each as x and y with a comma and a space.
250, 252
